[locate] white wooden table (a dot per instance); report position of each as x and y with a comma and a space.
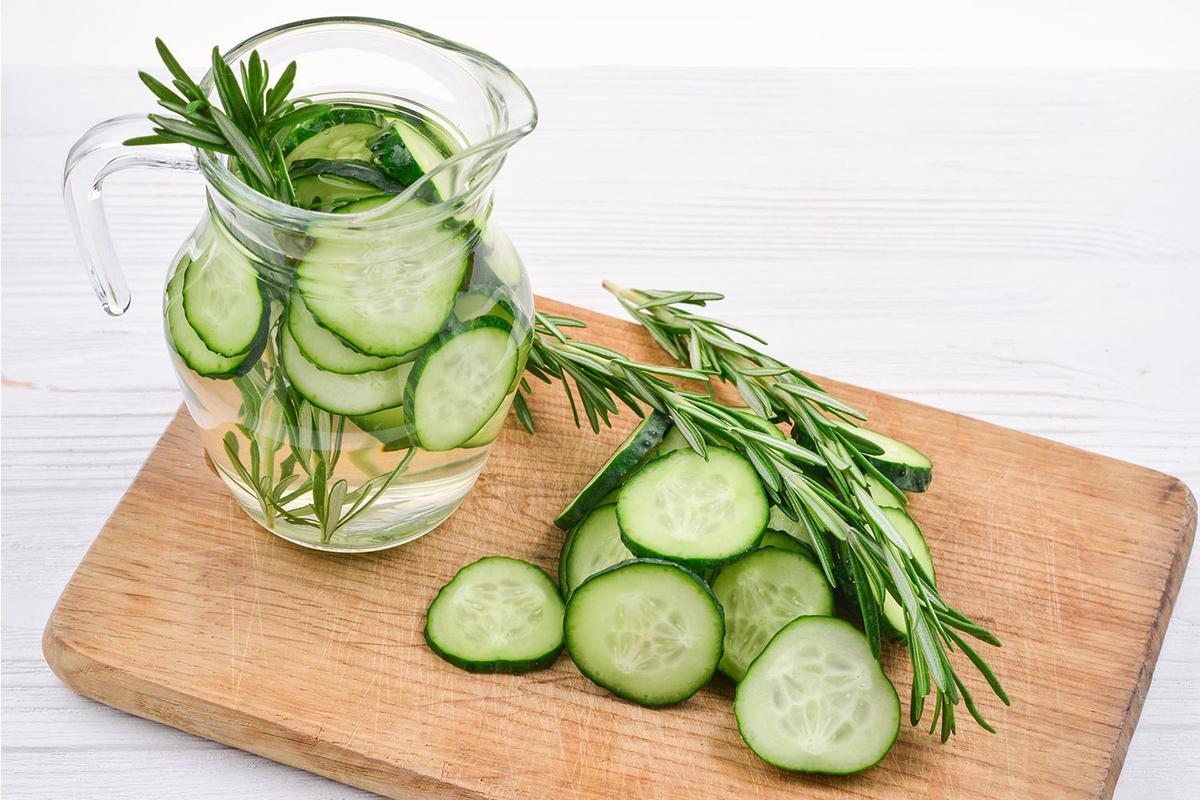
1022, 247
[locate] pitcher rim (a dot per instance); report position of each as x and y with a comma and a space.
237, 191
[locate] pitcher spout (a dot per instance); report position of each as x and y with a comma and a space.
504, 114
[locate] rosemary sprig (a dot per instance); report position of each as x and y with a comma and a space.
859, 537
272, 414
244, 127
850, 532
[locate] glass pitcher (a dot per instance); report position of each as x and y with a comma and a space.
348, 367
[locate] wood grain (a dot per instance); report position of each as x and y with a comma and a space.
183, 611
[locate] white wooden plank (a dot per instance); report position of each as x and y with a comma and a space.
1017, 246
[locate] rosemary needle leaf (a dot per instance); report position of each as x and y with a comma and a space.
152, 139
182, 81
244, 149
160, 90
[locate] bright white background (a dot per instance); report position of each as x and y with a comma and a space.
1035, 233
862, 33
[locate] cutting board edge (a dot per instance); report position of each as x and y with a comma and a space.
1185, 537
125, 690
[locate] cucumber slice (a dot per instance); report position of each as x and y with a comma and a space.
793, 529
760, 594
497, 615
491, 429
699, 512
883, 496
648, 631
339, 142
563, 554
222, 299
352, 395
672, 441
460, 381
389, 426
386, 294
902, 464
427, 154
893, 613
628, 455
192, 349
499, 258
328, 351
783, 541
596, 545
358, 171
328, 192
337, 116
483, 302
816, 700
394, 157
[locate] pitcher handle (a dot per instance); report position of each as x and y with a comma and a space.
99, 153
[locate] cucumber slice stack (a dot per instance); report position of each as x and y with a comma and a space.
670, 574
760, 594
194, 351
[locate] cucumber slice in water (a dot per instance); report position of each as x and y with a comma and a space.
760, 594
326, 350
491, 429
340, 142
700, 512
394, 157
497, 615
389, 426
460, 381
352, 170
192, 349
329, 192
595, 545
427, 155
904, 465
482, 303
499, 258
341, 115
628, 455
222, 299
893, 613
648, 631
816, 700
352, 395
386, 294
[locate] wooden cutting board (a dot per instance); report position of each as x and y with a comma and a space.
185, 612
